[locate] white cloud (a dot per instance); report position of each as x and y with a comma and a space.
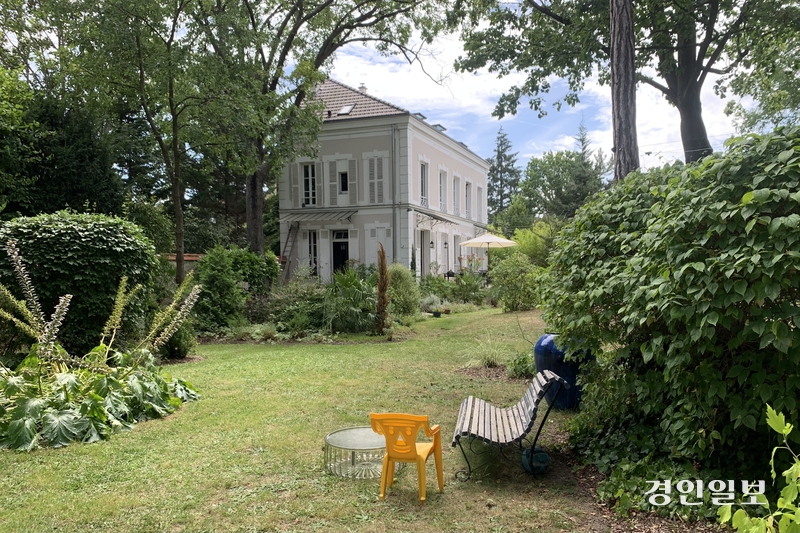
464, 103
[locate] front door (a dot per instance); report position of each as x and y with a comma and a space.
341, 251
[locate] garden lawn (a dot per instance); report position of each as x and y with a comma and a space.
249, 455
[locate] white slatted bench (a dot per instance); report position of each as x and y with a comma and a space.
505, 426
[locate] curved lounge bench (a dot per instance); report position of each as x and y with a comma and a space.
505, 426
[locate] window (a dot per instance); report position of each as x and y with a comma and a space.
343, 182
443, 191
309, 185
468, 200
423, 184
345, 110
312, 252
480, 204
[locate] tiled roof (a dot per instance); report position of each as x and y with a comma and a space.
337, 96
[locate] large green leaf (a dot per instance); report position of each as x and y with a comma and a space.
22, 435
183, 390
777, 421
69, 382
13, 385
60, 428
29, 408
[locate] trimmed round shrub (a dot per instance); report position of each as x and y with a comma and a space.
404, 294
684, 281
85, 255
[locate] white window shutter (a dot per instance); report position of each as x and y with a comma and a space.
294, 172
318, 179
372, 192
379, 179
352, 186
333, 176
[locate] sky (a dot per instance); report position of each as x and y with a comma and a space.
464, 102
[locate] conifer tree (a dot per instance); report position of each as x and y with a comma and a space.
504, 175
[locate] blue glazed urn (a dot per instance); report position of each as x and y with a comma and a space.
548, 356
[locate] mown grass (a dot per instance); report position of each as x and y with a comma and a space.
249, 455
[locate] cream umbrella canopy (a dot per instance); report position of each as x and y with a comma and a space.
488, 241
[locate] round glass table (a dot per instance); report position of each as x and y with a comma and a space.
356, 453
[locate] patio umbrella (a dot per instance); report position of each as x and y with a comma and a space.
488, 241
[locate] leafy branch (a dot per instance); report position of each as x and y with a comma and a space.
786, 516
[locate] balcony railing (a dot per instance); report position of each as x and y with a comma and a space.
423, 201
442, 207
468, 214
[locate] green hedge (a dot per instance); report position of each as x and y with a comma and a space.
85, 255
687, 280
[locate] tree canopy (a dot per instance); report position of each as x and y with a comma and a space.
199, 96
678, 45
558, 183
773, 84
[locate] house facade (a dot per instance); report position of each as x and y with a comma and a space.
382, 175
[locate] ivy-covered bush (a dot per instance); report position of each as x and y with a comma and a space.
686, 282
404, 294
515, 282
85, 255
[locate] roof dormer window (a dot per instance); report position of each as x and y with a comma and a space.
345, 110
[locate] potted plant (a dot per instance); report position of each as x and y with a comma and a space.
437, 312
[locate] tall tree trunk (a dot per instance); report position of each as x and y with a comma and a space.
623, 89
177, 196
254, 210
693, 129
177, 186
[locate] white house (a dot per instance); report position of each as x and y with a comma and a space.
385, 175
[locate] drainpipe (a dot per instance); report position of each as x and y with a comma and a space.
394, 195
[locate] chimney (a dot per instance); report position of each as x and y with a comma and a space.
362, 89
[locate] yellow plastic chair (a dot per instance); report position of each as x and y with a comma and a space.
400, 431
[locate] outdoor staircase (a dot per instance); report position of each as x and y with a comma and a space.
287, 251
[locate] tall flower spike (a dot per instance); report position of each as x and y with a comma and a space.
168, 313
24, 280
47, 342
10, 303
182, 315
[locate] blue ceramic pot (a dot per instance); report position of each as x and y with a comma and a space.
548, 356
